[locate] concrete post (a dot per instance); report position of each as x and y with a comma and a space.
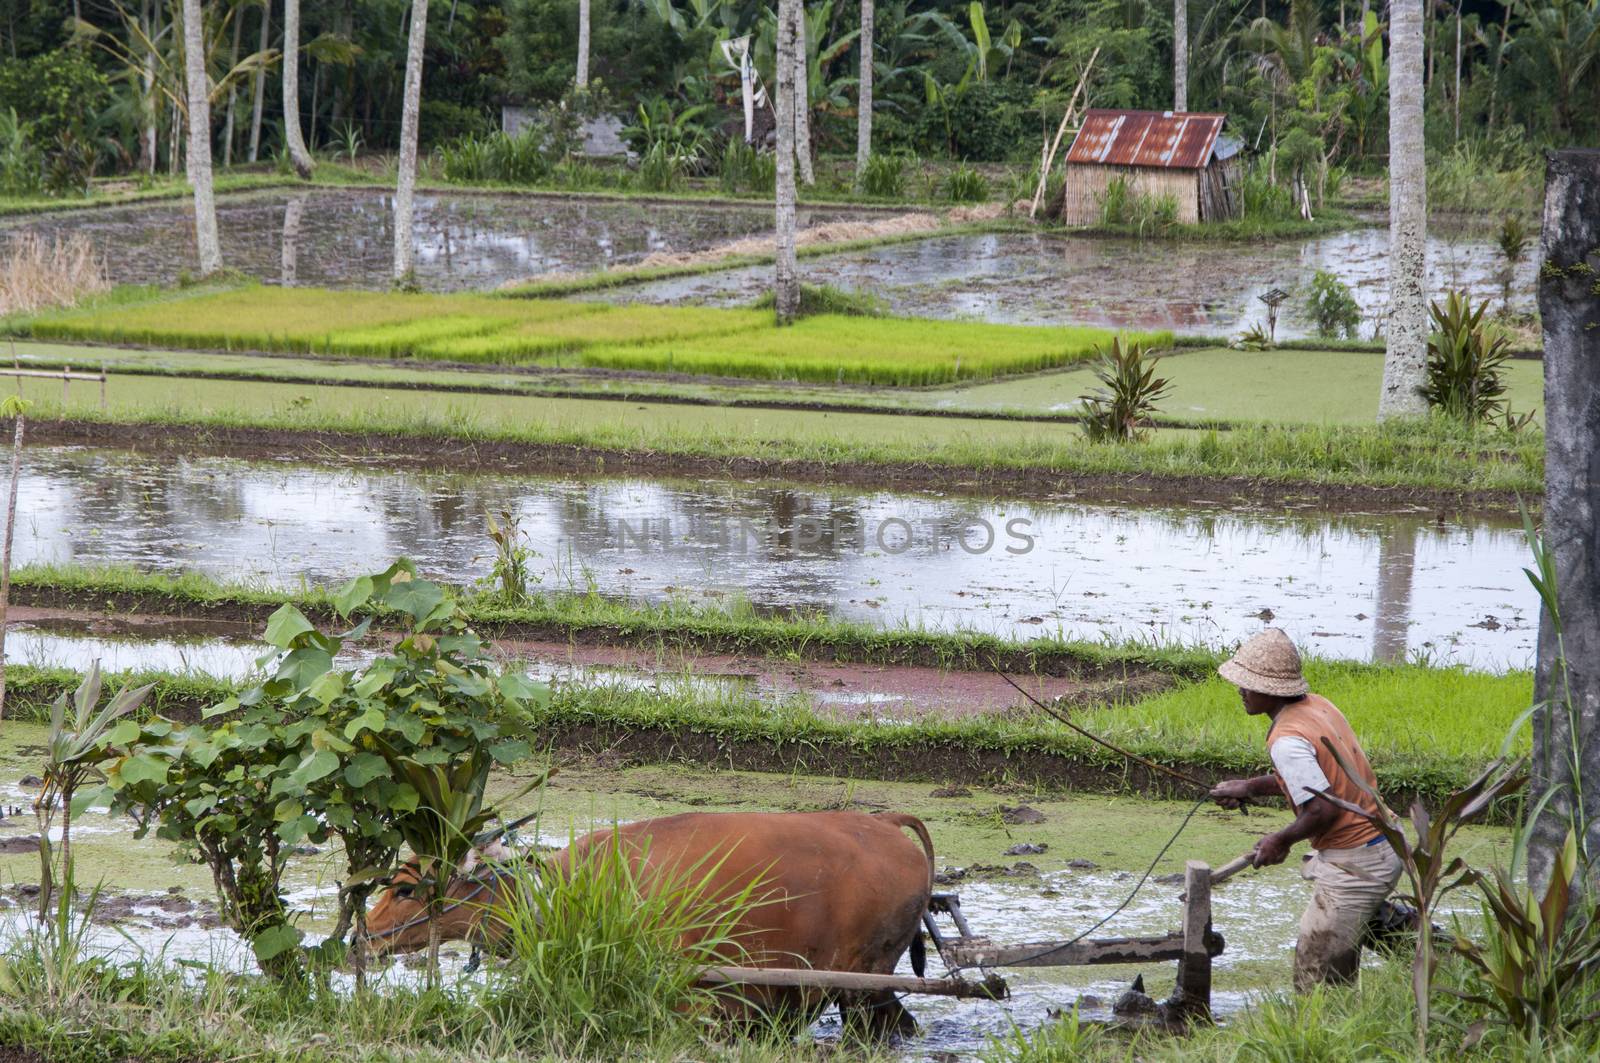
1566, 738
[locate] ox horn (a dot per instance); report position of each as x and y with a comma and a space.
501, 831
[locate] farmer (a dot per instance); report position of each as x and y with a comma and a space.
1352, 869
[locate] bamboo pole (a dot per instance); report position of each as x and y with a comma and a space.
1050, 157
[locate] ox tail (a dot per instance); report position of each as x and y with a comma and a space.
900, 819
919, 951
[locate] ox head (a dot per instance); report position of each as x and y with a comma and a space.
399, 921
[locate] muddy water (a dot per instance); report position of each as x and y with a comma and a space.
343, 238
1353, 585
1036, 279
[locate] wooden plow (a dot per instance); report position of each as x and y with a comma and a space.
1193, 948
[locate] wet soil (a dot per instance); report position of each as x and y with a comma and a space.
458, 455
465, 240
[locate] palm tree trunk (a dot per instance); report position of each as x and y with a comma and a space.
1180, 55
802, 99
5, 560
1406, 332
199, 160
233, 61
583, 44
147, 79
786, 281
261, 82
864, 98
405, 193
292, 138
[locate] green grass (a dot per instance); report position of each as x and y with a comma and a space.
1431, 455
490, 329
1277, 387
894, 351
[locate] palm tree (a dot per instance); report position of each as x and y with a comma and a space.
233, 61
1180, 55
261, 81
291, 90
404, 247
802, 97
786, 281
1406, 332
864, 98
583, 44
199, 160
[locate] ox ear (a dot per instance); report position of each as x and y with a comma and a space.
497, 851
470, 863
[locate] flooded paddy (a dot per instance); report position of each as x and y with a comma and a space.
1202, 287
343, 238
1363, 586
1094, 849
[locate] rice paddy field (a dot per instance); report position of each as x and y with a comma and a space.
513, 331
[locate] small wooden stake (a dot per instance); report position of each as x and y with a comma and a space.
1192, 996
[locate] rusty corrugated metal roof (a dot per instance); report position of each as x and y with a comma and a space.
1159, 139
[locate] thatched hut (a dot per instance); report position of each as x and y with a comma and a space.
1158, 153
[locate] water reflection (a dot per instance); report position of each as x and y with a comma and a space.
345, 237
1356, 586
1038, 279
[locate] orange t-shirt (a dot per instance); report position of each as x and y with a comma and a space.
1314, 718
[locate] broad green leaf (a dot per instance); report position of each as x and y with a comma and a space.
287, 809
274, 941
371, 720
416, 597
284, 625
364, 767
319, 764
86, 799
225, 706
509, 750
142, 767
124, 733
353, 595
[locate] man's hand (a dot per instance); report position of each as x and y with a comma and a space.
1233, 793
1271, 849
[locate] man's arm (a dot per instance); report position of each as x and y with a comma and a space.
1229, 794
1311, 819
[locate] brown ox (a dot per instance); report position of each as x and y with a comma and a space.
839, 891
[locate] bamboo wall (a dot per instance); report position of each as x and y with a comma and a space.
1208, 194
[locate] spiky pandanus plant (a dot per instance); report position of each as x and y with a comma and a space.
1119, 411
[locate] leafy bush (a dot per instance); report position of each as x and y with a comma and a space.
885, 175
659, 169
1263, 199
679, 138
1117, 412
57, 91
442, 121
1465, 362
966, 185
1331, 307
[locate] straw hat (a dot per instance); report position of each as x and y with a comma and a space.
1267, 663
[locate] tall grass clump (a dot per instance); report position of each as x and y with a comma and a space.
885, 176
826, 299
966, 185
499, 158
744, 169
602, 959
36, 274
